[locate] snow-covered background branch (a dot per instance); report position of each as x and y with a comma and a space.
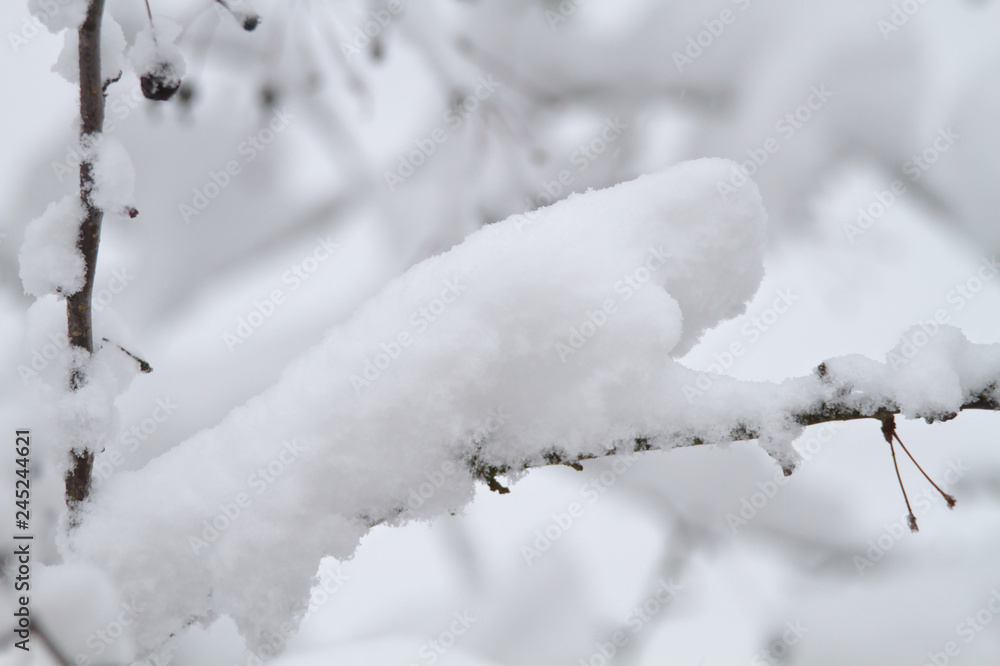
298, 202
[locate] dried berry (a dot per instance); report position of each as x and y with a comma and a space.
160, 83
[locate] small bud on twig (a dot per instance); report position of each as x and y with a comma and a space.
144, 367
248, 20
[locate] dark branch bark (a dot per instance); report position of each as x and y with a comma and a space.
78, 305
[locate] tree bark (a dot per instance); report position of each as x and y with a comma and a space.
78, 306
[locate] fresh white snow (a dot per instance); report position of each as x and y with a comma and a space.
465, 351
548, 333
50, 261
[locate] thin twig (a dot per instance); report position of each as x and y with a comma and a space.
143, 366
910, 518
947, 498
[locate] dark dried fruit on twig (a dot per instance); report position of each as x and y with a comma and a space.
161, 82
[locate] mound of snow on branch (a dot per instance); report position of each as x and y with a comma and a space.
547, 332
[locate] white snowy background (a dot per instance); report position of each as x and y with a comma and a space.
592, 88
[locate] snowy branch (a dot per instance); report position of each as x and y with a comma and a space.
541, 340
78, 305
842, 407
553, 338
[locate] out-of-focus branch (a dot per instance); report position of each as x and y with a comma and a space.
78, 306
43, 637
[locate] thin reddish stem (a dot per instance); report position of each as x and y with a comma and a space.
947, 498
912, 518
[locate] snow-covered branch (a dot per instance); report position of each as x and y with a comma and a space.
78, 304
843, 406
549, 338
59, 255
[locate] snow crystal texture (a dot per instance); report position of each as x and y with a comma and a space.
553, 330
50, 261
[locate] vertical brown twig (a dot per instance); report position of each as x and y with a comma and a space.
78, 305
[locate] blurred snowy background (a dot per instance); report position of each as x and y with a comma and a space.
871, 128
